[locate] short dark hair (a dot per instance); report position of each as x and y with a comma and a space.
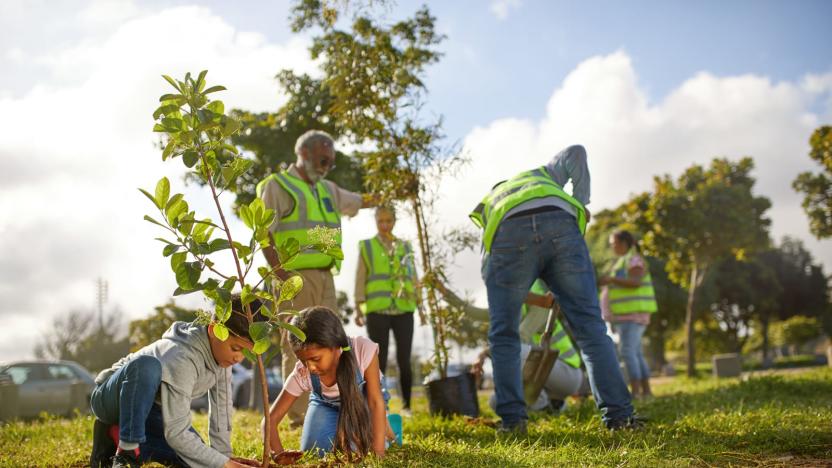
626, 237
238, 323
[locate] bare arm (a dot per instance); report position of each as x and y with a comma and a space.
276, 413
375, 401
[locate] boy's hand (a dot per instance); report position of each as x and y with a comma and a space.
237, 462
287, 457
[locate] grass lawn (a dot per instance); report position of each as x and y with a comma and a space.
767, 420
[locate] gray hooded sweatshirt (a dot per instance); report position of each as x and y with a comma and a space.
189, 371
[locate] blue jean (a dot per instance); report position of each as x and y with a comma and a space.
630, 334
548, 246
127, 399
321, 422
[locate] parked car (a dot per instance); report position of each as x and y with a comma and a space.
28, 388
241, 379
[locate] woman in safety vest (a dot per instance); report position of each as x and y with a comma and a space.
627, 300
386, 296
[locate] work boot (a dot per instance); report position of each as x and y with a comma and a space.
519, 429
645, 388
635, 388
633, 423
126, 459
103, 447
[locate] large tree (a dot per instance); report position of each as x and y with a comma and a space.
817, 188
705, 216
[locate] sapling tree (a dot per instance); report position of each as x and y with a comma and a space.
196, 131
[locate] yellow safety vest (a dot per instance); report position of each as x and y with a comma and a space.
623, 300
560, 339
310, 210
519, 189
389, 277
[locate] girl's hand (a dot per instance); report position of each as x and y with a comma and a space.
286, 457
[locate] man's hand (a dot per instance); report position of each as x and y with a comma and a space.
588, 214
359, 317
604, 280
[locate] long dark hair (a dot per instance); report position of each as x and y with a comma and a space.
626, 237
323, 328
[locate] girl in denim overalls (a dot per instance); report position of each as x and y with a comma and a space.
347, 405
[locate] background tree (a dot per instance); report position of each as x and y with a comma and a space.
707, 215
144, 331
817, 188
270, 137
79, 336
670, 298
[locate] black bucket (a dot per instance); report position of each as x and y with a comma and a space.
454, 395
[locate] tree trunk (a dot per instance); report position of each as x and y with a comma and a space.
255, 398
766, 358
689, 322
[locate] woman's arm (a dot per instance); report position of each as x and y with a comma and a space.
375, 401
276, 413
633, 279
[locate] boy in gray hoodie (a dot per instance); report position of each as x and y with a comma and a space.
146, 396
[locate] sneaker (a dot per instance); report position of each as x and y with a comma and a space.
103, 447
519, 429
557, 406
126, 459
633, 423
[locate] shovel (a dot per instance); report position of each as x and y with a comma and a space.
540, 361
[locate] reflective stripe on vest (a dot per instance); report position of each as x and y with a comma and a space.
519, 189
623, 300
389, 281
309, 211
560, 339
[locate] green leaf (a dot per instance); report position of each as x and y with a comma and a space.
148, 218
172, 82
160, 239
200, 81
220, 331
171, 97
261, 346
190, 158
213, 89
290, 288
293, 330
159, 128
175, 210
264, 271
231, 126
162, 191
217, 245
259, 330
173, 124
288, 250
216, 107
173, 200
165, 109
223, 311
246, 216
150, 197
170, 250
266, 311
187, 275
252, 358
229, 283
169, 148
246, 296
335, 252
177, 259
265, 295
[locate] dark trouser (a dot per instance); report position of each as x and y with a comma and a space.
378, 328
127, 399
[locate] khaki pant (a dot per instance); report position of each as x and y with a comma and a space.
318, 290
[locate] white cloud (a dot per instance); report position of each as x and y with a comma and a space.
629, 139
81, 143
501, 8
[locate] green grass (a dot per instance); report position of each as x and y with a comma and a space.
772, 420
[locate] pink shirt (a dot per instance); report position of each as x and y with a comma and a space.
299, 380
635, 262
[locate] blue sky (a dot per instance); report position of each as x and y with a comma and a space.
648, 87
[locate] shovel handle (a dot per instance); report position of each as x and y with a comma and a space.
550, 323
